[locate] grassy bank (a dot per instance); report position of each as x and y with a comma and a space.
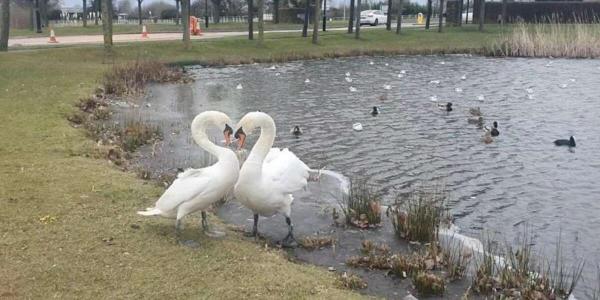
156, 28
68, 222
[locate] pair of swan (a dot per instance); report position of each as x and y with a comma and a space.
264, 184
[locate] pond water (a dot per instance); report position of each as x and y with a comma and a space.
520, 182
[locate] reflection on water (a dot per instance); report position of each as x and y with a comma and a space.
520, 178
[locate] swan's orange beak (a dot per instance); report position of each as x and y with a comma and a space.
227, 134
241, 136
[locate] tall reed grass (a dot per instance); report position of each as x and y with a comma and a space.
551, 39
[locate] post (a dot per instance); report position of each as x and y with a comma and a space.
250, 20
206, 14
351, 17
324, 15
481, 14
467, 15
429, 12
400, 7
306, 13
441, 17
357, 13
315, 35
388, 23
84, 17
460, 10
139, 2
5, 19
38, 20
185, 20
261, 29
107, 25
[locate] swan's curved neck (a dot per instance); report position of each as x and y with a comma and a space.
201, 138
265, 141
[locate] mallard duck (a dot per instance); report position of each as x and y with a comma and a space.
296, 131
375, 110
570, 142
445, 106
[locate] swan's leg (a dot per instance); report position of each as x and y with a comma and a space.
204, 221
254, 228
289, 240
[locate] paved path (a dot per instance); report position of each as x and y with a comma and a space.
127, 38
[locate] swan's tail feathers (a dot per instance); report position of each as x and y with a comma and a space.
151, 211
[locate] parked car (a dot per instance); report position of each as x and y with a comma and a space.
373, 17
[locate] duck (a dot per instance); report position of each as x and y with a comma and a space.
494, 130
239, 86
375, 110
296, 131
445, 106
475, 111
357, 127
477, 121
197, 189
570, 142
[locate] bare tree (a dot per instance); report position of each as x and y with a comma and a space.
4, 24
481, 14
250, 20
261, 22
84, 17
178, 15
400, 7
185, 20
357, 29
429, 11
107, 26
441, 17
276, 11
504, 12
96, 5
317, 17
139, 2
306, 14
388, 24
351, 19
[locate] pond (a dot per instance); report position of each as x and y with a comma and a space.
521, 182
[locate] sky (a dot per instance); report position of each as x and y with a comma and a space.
70, 3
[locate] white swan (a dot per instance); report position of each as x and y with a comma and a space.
197, 189
269, 176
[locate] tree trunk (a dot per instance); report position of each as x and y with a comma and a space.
306, 13
460, 10
351, 19
276, 11
139, 2
481, 14
388, 24
504, 12
400, 7
185, 20
217, 11
178, 14
441, 18
44, 13
84, 18
32, 15
36, 17
4, 24
467, 14
317, 17
429, 11
261, 22
96, 10
250, 20
107, 26
324, 15
357, 13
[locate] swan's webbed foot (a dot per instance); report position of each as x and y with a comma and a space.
289, 241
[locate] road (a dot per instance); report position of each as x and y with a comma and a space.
128, 38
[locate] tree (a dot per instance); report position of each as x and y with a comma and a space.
216, 4
400, 7
84, 16
481, 14
107, 26
388, 24
276, 11
124, 6
250, 20
317, 17
96, 5
306, 14
139, 2
177, 8
4, 24
429, 9
441, 17
357, 29
504, 16
185, 20
351, 19
261, 23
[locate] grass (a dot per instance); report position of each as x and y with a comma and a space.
419, 215
552, 39
351, 281
132, 78
429, 284
92, 29
61, 202
362, 206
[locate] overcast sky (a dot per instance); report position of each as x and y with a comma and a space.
70, 3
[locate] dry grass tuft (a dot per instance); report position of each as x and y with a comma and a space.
351, 281
362, 207
132, 78
317, 242
429, 284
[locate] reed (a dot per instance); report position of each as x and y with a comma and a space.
362, 206
551, 39
132, 78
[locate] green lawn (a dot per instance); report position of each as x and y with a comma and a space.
59, 200
154, 28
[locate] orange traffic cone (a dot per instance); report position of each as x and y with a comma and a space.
199, 30
52, 37
144, 32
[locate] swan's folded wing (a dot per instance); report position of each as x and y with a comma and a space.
187, 186
283, 171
